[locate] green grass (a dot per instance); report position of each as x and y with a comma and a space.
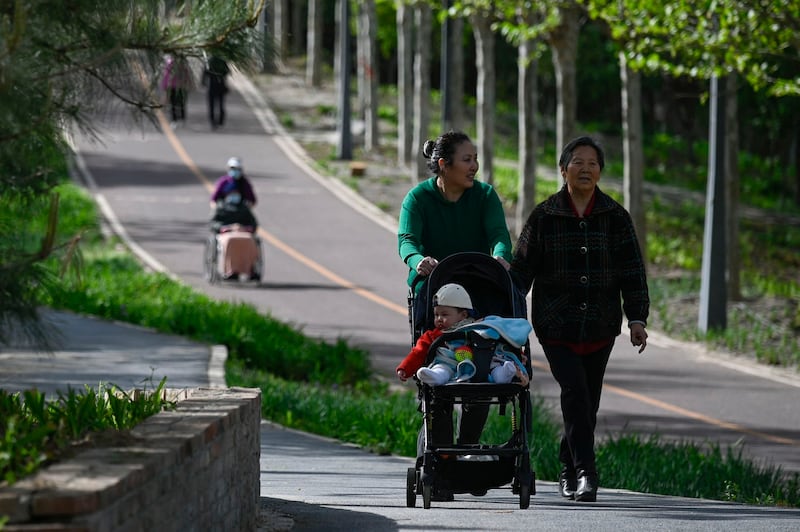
156, 301
688, 470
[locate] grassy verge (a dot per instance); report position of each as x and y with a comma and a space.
331, 391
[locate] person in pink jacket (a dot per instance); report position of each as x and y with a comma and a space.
176, 83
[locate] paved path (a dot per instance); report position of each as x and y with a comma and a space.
328, 487
90, 351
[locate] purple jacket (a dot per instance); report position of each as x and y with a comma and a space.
227, 184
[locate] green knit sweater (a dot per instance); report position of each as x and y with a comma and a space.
432, 226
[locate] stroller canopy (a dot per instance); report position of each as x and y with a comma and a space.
486, 281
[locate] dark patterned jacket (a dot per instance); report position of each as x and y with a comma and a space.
579, 269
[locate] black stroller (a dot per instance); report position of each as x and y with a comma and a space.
472, 468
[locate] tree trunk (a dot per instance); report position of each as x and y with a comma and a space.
361, 57
564, 47
267, 28
344, 138
368, 72
405, 78
632, 151
297, 27
484, 107
526, 104
337, 24
457, 73
280, 20
314, 44
732, 188
422, 86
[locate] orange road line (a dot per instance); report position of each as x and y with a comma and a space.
328, 274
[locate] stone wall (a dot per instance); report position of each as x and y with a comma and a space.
193, 468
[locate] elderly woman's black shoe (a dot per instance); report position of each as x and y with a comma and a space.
587, 488
567, 484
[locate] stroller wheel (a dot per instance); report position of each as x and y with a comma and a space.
524, 496
426, 496
258, 267
411, 487
210, 260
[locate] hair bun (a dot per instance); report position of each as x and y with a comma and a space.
427, 148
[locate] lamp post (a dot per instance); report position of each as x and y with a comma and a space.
713, 282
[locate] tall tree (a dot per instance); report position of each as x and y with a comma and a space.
296, 34
368, 72
422, 85
563, 41
527, 62
405, 80
486, 90
280, 29
451, 80
456, 56
731, 172
314, 44
633, 150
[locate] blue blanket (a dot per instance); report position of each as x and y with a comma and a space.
515, 331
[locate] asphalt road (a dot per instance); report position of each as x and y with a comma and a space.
331, 267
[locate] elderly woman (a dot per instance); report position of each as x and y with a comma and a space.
579, 252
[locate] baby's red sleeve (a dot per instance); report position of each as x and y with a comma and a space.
416, 358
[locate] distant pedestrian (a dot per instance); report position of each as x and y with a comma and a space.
214, 79
176, 83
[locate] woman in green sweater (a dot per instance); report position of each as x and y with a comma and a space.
451, 212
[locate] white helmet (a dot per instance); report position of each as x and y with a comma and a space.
235, 162
452, 295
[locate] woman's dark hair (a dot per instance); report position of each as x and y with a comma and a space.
566, 153
442, 148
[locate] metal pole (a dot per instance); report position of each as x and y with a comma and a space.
344, 147
713, 284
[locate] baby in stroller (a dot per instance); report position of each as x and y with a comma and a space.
236, 247
452, 311
497, 345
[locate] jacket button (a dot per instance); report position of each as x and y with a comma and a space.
584, 250
582, 224
584, 279
583, 306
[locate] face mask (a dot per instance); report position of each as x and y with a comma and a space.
235, 173
233, 198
